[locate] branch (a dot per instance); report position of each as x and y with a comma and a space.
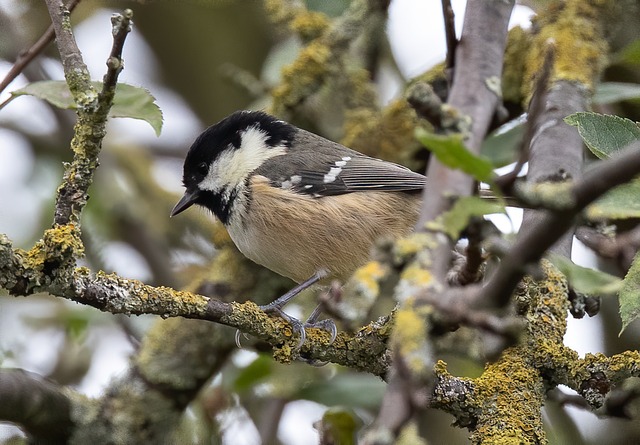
534, 240
365, 351
38, 405
475, 94
92, 111
25, 57
75, 70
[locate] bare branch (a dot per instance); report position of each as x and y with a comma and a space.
450, 34
534, 116
25, 57
40, 406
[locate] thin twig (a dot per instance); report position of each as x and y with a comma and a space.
623, 247
25, 57
121, 28
450, 34
536, 109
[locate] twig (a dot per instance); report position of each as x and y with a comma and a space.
467, 268
623, 247
75, 70
121, 27
564, 399
426, 102
269, 421
450, 34
25, 57
534, 240
549, 163
534, 115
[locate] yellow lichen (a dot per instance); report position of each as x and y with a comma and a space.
574, 28
410, 341
310, 24
301, 78
367, 277
518, 44
407, 247
387, 134
416, 276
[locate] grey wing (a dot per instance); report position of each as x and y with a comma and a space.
358, 173
319, 167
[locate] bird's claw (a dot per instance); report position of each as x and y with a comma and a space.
298, 328
238, 337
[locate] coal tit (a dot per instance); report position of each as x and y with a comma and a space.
294, 202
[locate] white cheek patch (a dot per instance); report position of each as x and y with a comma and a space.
233, 165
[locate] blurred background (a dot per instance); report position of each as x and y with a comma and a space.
201, 61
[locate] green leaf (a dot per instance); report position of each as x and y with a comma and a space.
339, 425
129, 101
450, 150
630, 54
585, 280
454, 221
137, 103
610, 92
630, 294
355, 390
502, 146
621, 202
604, 134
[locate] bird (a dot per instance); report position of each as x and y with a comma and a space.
303, 206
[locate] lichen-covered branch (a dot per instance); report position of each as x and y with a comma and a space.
576, 31
24, 273
534, 242
93, 109
475, 93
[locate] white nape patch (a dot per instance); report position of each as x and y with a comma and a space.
232, 167
294, 180
346, 158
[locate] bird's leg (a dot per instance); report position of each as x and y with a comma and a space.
275, 307
277, 304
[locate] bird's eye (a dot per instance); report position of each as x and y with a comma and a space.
203, 169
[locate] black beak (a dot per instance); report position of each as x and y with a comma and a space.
187, 200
